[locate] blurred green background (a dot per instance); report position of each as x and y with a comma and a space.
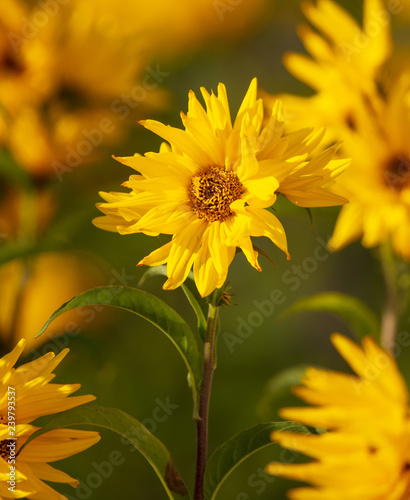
126, 363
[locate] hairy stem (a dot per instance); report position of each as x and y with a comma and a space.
202, 419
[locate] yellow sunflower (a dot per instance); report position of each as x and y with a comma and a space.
365, 455
26, 394
212, 187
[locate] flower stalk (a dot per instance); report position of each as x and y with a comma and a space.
203, 411
392, 306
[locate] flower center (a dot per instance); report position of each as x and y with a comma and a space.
212, 191
5, 448
397, 173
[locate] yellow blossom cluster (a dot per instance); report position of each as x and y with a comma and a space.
365, 106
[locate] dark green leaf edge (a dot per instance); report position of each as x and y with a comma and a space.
162, 271
130, 428
156, 312
354, 312
201, 321
236, 449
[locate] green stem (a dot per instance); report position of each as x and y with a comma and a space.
392, 306
202, 419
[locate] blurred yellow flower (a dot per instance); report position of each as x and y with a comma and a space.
28, 72
62, 141
379, 190
42, 110
212, 187
343, 62
26, 394
18, 211
366, 452
365, 111
30, 294
181, 26
62, 114
159, 30
74, 70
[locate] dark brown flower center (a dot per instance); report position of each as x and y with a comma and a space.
5, 447
397, 173
10, 63
212, 191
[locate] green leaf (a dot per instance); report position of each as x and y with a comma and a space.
352, 310
279, 387
201, 321
162, 271
151, 272
234, 451
123, 424
310, 215
158, 271
153, 310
